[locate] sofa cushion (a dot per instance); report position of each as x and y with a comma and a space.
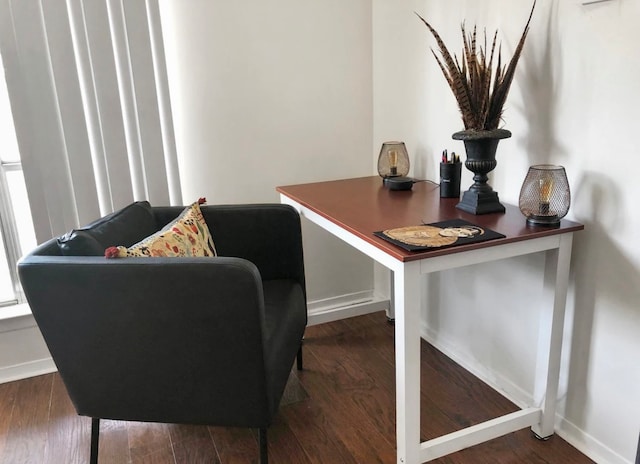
123, 227
187, 235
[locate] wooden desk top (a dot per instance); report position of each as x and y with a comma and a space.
363, 206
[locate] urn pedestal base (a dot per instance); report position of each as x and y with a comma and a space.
475, 202
481, 149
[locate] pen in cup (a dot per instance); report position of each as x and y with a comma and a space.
449, 159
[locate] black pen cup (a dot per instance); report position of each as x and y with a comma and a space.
450, 179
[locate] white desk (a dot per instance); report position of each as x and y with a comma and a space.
353, 209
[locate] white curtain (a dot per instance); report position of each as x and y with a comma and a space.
88, 88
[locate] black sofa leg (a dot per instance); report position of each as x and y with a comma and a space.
299, 357
262, 443
95, 433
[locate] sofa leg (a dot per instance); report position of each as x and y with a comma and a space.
299, 357
262, 443
95, 433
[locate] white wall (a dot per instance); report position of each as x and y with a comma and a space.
573, 102
267, 94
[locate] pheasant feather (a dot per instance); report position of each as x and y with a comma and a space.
480, 90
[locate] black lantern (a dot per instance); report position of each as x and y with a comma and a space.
393, 160
545, 197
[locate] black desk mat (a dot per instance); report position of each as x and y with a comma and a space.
483, 235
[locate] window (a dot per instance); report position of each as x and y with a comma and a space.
16, 227
89, 90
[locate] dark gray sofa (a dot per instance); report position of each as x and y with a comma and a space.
176, 340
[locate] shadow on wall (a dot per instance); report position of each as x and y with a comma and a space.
600, 268
539, 76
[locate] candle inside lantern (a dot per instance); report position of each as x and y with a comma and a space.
546, 189
393, 162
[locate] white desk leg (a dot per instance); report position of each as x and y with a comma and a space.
556, 281
407, 329
391, 312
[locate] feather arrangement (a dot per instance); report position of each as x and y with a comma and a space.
479, 90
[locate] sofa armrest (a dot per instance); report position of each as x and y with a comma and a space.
268, 235
190, 321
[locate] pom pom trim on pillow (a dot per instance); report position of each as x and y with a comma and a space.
187, 235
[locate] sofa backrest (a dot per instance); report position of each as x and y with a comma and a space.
124, 227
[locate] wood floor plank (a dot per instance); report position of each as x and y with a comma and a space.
192, 444
149, 439
375, 393
68, 435
27, 438
294, 391
196, 451
380, 332
283, 445
327, 378
472, 397
182, 432
160, 456
7, 402
113, 446
462, 407
316, 434
235, 445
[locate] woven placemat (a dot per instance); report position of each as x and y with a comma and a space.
437, 235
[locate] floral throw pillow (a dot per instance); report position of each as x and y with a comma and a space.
187, 235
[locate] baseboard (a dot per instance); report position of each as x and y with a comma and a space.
341, 307
26, 370
569, 432
588, 445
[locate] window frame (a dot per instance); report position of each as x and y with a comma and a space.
9, 230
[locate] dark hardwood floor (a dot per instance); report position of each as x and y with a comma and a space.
340, 409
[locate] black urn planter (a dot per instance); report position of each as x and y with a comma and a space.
481, 149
